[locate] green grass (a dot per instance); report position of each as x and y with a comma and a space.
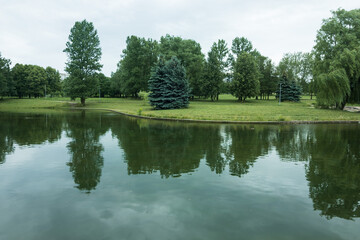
227, 108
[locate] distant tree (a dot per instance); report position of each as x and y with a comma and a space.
53, 81
337, 59
84, 53
5, 76
137, 60
19, 74
290, 90
298, 67
245, 82
189, 53
29, 80
214, 72
36, 78
268, 79
168, 85
115, 84
104, 84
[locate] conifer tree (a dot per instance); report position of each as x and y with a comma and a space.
168, 85
290, 91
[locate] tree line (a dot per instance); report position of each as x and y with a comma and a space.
24, 80
331, 71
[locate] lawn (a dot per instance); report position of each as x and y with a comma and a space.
226, 109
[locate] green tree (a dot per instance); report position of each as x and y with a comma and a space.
115, 84
189, 53
245, 82
268, 79
37, 80
84, 53
5, 76
104, 84
290, 91
53, 81
169, 86
135, 66
298, 67
19, 76
336, 59
215, 70
29, 80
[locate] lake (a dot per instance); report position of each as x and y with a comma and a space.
99, 175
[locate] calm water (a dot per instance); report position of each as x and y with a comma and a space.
91, 175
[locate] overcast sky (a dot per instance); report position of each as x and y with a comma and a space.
35, 31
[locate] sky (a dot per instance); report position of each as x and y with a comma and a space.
36, 31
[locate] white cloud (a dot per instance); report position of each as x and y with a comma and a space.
35, 32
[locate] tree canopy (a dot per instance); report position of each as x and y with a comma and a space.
245, 81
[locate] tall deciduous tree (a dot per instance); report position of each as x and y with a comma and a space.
168, 85
245, 82
84, 54
337, 59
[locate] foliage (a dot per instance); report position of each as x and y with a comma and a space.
104, 84
29, 80
290, 91
115, 84
241, 45
245, 82
53, 81
168, 85
5, 77
189, 53
135, 66
84, 53
298, 67
268, 79
337, 57
214, 72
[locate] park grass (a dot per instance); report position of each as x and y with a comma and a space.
226, 109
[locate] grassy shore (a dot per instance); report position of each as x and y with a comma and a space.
226, 109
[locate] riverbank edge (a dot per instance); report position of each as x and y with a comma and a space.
223, 121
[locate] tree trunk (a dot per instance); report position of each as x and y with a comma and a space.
83, 101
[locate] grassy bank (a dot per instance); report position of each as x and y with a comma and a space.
227, 108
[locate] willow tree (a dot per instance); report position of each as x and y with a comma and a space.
84, 54
337, 59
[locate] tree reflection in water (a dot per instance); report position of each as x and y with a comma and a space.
86, 160
331, 152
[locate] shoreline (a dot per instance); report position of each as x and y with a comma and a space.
225, 121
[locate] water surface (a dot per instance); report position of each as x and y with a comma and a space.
94, 175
